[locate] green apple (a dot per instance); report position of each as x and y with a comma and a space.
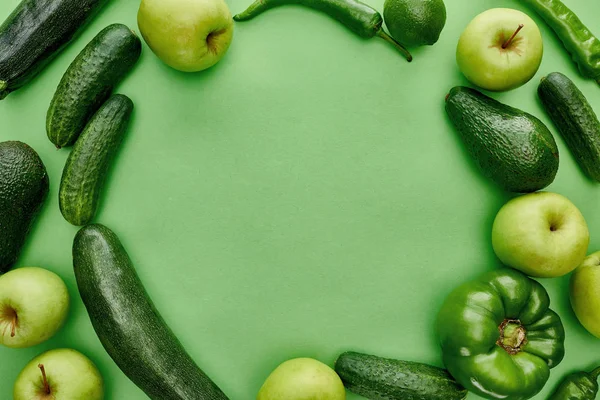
34, 303
500, 49
302, 379
61, 374
542, 234
188, 35
585, 293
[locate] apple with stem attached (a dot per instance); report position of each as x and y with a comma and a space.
61, 374
34, 303
542, 234
501, 49
188, 35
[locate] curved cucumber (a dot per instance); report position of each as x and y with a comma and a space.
35, 32
89, 81
85, 171
379, 378
128, 324
575, 119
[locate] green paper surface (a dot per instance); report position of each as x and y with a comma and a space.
304, 197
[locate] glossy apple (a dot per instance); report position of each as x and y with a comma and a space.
500, 49
542, 234
302, 379
62, 374
188, 35
34, 303
585, 293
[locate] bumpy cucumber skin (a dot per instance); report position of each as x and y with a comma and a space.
513, 148
128, 324
24, 187
575, 119
89, 81
35, 33
88, 163
379, 378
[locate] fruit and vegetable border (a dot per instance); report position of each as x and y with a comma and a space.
498, 336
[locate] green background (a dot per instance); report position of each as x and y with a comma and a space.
304, 197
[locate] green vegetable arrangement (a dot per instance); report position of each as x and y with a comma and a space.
499, 338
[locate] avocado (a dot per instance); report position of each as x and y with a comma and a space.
23, 188
513, 148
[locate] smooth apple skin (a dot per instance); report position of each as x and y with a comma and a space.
41, 301
303, 379
486, 64
585, 293
188, 35
71, 376
541, 234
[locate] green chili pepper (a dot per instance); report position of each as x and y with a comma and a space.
360, 18
576, 37
578, 386
499, 337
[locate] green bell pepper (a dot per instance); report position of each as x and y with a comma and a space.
499, 339
578, 386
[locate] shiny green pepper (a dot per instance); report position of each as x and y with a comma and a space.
578, 386
579, 41
498, 336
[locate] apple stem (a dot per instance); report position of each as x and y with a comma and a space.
13, 326
44, 379
509, 41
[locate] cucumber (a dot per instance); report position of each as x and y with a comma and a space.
35, 32
89, 81
86, 168
128, 324
575, 119
379, 378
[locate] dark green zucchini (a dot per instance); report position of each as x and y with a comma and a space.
34, 33
128, 324
379, 378
85, 171
89, 81
575, 119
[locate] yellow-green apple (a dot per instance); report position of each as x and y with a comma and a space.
34, 303
500, 49
542, 234
302, 379
188, 35
61, 374
585, 293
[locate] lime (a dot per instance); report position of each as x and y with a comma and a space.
415, 22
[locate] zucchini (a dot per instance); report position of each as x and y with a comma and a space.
35, 32
379, 378
128, 324
575, 119
89, 81
85, 170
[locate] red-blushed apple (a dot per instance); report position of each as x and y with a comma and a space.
188, 35
541, 234
585, 293
34, 304
303, 379
61, 374
501, 49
